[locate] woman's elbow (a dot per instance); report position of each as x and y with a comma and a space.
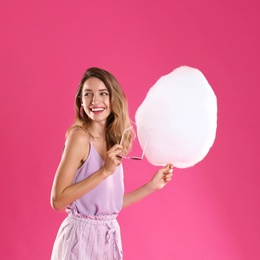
56, 205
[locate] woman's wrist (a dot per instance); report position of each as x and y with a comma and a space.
151, 187
105, 172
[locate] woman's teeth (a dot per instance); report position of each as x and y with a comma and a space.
97, 109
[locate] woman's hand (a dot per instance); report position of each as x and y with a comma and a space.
112, 159
162, 177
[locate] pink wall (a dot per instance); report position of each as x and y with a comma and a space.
208, 212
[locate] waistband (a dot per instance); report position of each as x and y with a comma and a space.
97, 219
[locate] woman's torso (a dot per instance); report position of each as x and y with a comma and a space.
107, 197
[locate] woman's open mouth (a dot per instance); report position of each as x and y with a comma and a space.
97, 109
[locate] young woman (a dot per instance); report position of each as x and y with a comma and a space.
89, 178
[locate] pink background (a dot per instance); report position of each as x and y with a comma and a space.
208, 212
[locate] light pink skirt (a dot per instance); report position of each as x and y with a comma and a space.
88, 238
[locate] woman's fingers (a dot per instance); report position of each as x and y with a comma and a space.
168, 177
168, 173
112, 158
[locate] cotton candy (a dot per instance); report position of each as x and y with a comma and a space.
178, 118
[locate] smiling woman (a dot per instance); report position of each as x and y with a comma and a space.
95, 86
89, 179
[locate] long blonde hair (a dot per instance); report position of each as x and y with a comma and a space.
117, 121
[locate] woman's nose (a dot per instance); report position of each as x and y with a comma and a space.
94, 99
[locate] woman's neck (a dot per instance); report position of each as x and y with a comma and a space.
97, 130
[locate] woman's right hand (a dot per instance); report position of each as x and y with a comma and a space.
112, 159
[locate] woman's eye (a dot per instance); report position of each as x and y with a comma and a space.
88, 94
104, 93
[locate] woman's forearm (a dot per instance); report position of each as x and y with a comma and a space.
138, 194
159, 180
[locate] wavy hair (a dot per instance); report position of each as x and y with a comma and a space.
117, 121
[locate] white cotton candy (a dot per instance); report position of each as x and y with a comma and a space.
179, 114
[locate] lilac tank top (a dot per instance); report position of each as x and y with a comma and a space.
107, 197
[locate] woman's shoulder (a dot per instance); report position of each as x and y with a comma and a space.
78, 136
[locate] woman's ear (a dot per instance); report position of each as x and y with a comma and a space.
82, 112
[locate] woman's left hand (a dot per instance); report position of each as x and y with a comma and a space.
162, 177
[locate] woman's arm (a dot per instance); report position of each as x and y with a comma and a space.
75, 153
159, 180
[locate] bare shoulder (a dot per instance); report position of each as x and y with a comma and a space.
77, 142
78, 135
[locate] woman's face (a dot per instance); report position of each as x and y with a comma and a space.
96, 100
